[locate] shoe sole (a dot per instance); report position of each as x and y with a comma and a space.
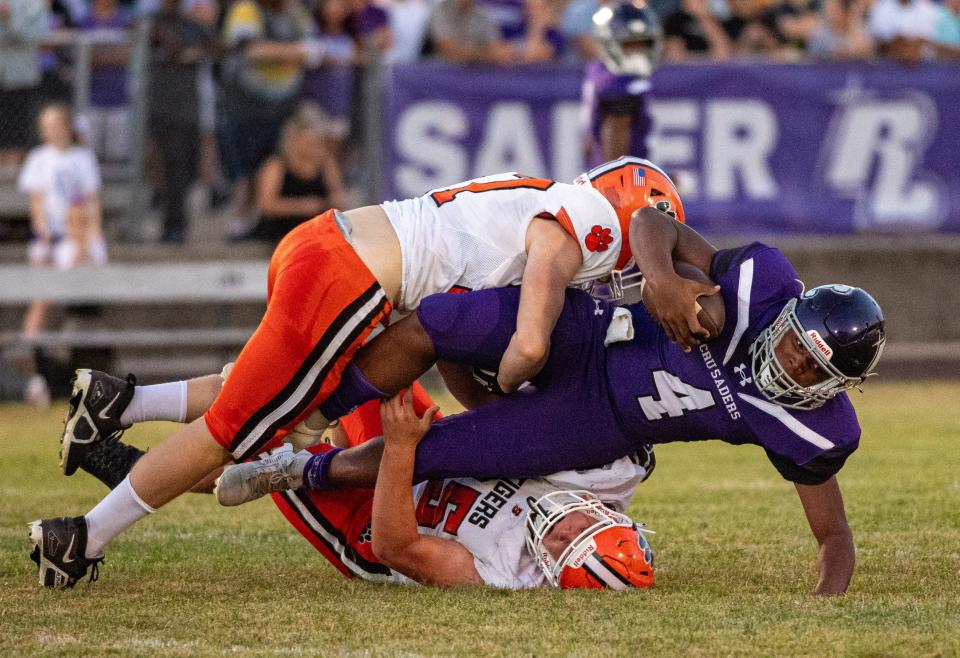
80, 384
49, 575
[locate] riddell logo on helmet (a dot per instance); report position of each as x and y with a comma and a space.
576, 561
820, 344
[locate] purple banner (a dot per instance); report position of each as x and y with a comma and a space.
754, 148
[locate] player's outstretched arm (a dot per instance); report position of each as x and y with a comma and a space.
823, 505
396, 540
553, 259
656, 240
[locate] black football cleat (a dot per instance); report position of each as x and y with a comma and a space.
58, 547
96, 404
110, 461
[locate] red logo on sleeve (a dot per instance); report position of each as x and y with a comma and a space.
598, 239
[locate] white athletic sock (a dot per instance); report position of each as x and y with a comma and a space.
157, 402
118, 511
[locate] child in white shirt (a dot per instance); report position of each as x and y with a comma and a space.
63, 180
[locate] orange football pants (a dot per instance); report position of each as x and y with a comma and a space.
322, 304
337, 523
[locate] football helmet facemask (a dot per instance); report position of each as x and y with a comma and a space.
841, 326
630, 38
611, 552
629, 183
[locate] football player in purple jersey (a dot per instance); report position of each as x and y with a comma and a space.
615, 86
775, 377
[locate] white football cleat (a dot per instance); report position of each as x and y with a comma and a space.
280, 470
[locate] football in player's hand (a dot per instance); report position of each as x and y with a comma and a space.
710, 311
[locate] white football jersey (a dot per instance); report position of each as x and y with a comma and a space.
488, 516
472, 235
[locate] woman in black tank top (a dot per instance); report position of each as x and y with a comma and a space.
299, 182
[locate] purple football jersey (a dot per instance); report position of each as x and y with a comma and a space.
608, 94
665, 394
592, 404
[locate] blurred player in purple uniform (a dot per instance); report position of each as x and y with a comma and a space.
616, 85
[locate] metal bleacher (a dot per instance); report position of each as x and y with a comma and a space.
160, 312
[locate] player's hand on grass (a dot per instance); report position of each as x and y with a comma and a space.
672, 302
402, 427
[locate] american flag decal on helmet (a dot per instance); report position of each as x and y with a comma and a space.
639, 177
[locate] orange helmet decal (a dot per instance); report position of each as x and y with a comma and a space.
621, 558
629, 183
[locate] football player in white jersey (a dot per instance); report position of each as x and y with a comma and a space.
507, 533
564, 530
334, 278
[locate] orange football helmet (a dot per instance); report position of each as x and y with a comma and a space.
629, 183
609, 552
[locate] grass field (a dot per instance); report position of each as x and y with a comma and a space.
735, 565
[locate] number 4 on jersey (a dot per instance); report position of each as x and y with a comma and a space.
676, 397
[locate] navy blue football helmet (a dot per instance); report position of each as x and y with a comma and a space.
841, 326
630, 37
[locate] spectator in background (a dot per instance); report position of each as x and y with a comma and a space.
408, 23
55, 85
463, 34
108, 119
207, 12
270, 42
336, 88
841, 32
301, 181
795, 21
904, 30
530, 27
506, 15
693, 30
540, 39
104, 15
948, 30
63, 181
752, 28
179, 48
370, 26
333, 31
23, 23
576, 25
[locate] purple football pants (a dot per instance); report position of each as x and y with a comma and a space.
564, 421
